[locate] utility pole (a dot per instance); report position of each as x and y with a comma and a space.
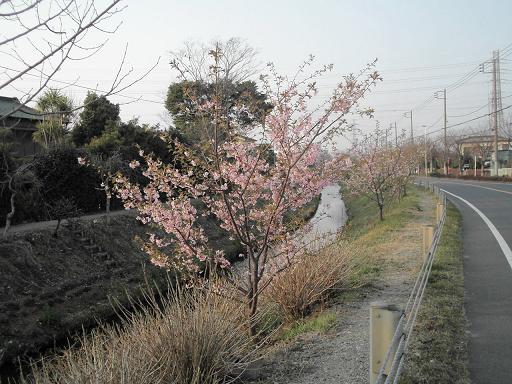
377, 133
412, 132
437, 95
496, 105
396, 136
495, 57
409, 114
425, 150
445, 140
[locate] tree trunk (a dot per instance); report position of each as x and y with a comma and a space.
252, 294
107, 208
381, 212
57, 228
253, 306
10, 215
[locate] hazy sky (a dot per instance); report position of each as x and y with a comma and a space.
421, 46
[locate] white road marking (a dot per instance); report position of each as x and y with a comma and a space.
501, 241
475, 185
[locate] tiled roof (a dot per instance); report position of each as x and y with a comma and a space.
9, 104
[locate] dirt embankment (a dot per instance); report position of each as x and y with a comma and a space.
52, 288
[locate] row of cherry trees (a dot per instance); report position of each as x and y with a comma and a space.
378, 170
247, 181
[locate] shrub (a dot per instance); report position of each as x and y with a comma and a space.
310, 280
62, 177
193, 337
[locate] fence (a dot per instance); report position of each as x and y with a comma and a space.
391, 328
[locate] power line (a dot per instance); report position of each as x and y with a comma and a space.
433, 67
463, 80
470, 120
435, 122
470, 113
88, 88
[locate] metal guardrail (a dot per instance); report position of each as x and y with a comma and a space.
392, 364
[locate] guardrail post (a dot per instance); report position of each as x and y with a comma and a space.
428, 236
384, 319
439, 212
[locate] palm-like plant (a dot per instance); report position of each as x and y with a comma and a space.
57, 110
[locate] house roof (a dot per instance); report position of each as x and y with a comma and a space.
480, 139
9, 104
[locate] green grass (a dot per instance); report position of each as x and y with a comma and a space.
365, 230
320, 323
438, 353
364, 214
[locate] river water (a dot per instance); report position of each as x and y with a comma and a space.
328, 220
331, 214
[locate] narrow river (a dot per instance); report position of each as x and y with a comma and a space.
331, 214
329, 219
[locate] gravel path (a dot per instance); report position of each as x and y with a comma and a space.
341, 355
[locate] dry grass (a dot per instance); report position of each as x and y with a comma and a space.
194, 337
310, 280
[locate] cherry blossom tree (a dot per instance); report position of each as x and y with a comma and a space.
237, 183
409, 158
376, 170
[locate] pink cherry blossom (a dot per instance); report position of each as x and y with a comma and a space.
240, 186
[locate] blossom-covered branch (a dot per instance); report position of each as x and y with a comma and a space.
250, 182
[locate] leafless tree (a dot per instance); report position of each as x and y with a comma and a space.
63, 208
13, 179
39, 36
237, 63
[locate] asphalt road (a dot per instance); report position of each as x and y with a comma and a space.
487, 275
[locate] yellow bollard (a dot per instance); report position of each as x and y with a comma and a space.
384, 319
428, 236
439, 212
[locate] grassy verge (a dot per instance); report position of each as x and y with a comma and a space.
365, 231
364, 214
438, 353
320, 323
